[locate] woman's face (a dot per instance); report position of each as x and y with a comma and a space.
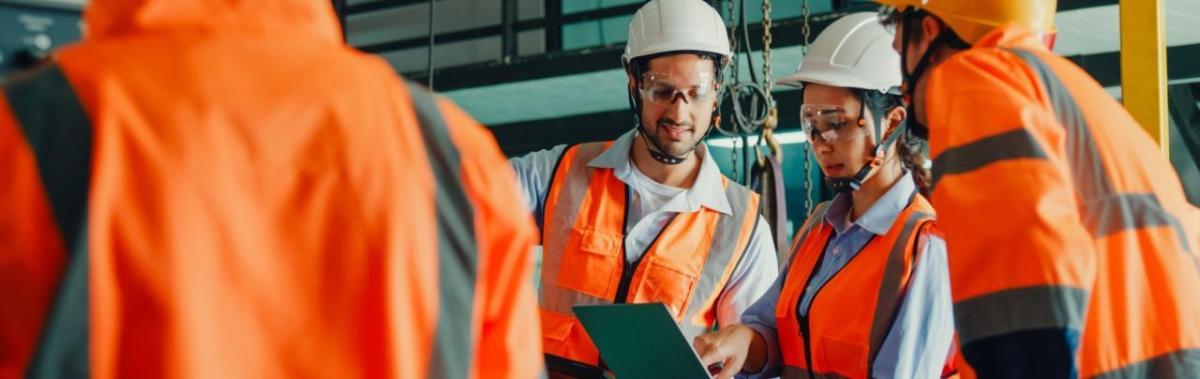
840, 128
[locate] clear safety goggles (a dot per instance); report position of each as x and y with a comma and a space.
828, 124
662, 88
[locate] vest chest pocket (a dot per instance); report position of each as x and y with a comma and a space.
842, 356
669, 285
590, 263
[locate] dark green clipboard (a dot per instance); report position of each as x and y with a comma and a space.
640, 341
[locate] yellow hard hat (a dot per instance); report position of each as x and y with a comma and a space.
972, 19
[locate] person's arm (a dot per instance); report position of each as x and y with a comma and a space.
505, 306
923, 331
1022, 264
533, 174
749, 349
752, 277
748, 298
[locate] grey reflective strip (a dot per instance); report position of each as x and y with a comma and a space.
793, 372
726, 237
891, 288
1026, 308
1087, 167
57, 128
814, 218
1104, 210
457, 251
1125, 211
1176, 364
1013, 144
574, 187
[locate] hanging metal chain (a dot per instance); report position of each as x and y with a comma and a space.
808, 203
729, 86
772, 120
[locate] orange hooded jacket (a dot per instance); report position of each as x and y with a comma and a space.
1062, 219
220, 189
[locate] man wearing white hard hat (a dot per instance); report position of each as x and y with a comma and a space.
648, 217
866, 291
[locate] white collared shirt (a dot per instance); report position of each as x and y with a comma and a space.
654, 204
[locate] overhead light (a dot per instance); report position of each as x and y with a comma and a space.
785, 138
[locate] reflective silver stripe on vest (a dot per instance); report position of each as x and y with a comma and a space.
457, 253
720, 256
891, 289
574, 186
814, 218
57, 129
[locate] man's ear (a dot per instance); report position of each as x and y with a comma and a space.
930, 29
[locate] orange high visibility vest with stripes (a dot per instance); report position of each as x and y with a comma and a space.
1060, 213
850, 315
584, 263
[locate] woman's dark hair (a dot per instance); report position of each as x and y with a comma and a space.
909, 147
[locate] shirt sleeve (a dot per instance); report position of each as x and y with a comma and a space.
921, 336
761, 317
752, 278
534, 173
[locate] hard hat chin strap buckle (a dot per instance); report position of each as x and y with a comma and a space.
854, 183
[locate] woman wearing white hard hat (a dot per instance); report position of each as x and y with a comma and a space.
866, 291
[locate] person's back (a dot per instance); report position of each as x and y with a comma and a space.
1109, 248
262, 201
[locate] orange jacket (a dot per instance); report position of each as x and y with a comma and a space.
839, 339
685, 268
224, 189
1067, 229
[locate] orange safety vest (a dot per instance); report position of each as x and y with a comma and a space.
226, 190
1060, 213
583, 260
840, 337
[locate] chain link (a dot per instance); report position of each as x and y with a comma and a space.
808, 203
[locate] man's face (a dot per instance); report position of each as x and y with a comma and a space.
678, 94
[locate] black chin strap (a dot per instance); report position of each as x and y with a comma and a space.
919, 129
851, 184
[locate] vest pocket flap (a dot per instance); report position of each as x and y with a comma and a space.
842, 356
590, 263
666, 284
594, 242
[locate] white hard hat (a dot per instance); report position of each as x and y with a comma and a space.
853, 52
676, 25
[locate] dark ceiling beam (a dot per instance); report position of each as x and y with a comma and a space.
522, 137
493, 30
785, 33
558, 63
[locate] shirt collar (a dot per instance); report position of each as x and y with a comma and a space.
880, 217
708, 190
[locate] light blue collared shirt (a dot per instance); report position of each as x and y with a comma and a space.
650, 213
921, 336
